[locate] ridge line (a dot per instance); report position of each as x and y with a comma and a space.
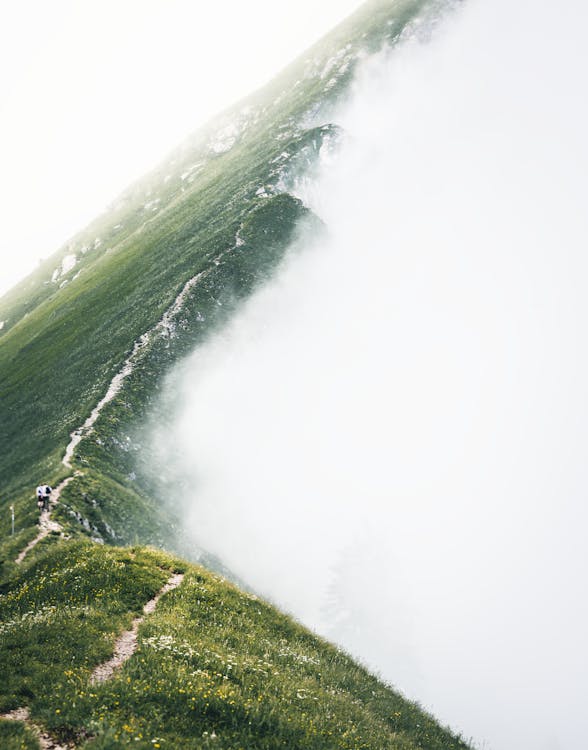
128, 366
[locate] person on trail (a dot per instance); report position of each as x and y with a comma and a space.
40, 496
46, 497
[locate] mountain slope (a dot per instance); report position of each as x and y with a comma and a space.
86, 342
214, 666
219, 206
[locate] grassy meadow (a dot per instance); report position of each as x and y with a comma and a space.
214, 666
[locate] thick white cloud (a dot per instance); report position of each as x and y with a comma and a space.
391, 440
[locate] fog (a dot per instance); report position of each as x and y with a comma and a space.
390, 440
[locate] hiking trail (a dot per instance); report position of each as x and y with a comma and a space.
126, 644
45, 523
46, 742
165, 327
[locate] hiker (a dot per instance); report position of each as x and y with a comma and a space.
46, 497
40, 496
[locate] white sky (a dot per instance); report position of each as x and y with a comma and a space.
96, 93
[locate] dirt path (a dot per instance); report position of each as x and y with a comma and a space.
126, 643
124, 648
46, 525
165, 327
45, 740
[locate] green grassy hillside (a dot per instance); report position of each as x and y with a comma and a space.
218, 206
214, 666
97, 327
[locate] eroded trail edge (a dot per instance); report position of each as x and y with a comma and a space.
126, 643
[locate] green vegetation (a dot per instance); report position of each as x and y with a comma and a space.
67, 334
16, 736
62, 611
214, 666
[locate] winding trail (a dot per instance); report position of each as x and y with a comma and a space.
46, 742
165, 327
124, 648
45, 523
126, 644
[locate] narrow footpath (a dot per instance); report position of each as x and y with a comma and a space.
46, 742
46, 525
126, 643
164, 327
124, 648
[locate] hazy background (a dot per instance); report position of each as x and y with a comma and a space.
96, 92
391, 439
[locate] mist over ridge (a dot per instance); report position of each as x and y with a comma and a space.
390, 439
